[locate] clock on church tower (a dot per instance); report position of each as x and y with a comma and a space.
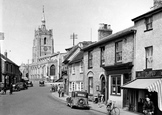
45, 48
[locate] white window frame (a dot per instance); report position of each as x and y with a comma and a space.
118, 51
149, 57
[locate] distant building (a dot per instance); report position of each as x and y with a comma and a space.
73, 62
45, 63
10, 71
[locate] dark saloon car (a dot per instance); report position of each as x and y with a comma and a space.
41, 83
29, 84
78, 99
19, 86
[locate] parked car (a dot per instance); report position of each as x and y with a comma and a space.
29, 84
78, 99
41, 83
19, 86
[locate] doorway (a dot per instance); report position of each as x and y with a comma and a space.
103, 86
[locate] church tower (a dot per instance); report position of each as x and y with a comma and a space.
43, 43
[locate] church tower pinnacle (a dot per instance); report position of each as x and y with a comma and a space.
43, 20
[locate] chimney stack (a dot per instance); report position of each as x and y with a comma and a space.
103, 31
5, 54
157, 3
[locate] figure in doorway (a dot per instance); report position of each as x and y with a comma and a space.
148, 107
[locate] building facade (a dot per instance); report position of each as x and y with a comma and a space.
10, 71
73, 61
148, 64
108, 64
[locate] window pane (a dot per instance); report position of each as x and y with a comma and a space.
114, 80
118, 90
118, 80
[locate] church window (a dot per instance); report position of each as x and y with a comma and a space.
52, 70
45, 40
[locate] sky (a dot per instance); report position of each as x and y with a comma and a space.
20, 18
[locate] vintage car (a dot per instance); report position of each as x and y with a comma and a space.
78, 99
41, 83
29, 84
19, 86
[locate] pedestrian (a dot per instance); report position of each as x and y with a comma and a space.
148, 107
62, 92
11, 88
59, 92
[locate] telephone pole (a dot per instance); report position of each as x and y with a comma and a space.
73, 36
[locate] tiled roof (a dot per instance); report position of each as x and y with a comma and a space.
77, 58
111, 37
154, 11
5, 58
74, 48
70, 53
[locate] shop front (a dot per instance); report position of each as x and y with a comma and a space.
117, 75
138, 89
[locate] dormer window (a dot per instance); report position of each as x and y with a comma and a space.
148, 23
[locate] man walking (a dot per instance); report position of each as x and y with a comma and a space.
11, 88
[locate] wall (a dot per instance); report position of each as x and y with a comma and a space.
97, 70
149, 38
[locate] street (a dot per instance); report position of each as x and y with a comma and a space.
37, 101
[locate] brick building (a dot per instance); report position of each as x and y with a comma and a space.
74, 63
108, 63
147, 61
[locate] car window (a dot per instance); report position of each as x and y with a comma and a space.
81, 95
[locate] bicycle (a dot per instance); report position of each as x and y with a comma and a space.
148, 112
112, 109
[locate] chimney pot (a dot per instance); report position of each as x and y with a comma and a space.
104, 30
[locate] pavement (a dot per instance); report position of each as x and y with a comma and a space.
95, 107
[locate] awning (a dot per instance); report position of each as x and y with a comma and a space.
153, 84
59, 80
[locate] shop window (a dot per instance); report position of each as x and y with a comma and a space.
118, 51
149, 57
116, 85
